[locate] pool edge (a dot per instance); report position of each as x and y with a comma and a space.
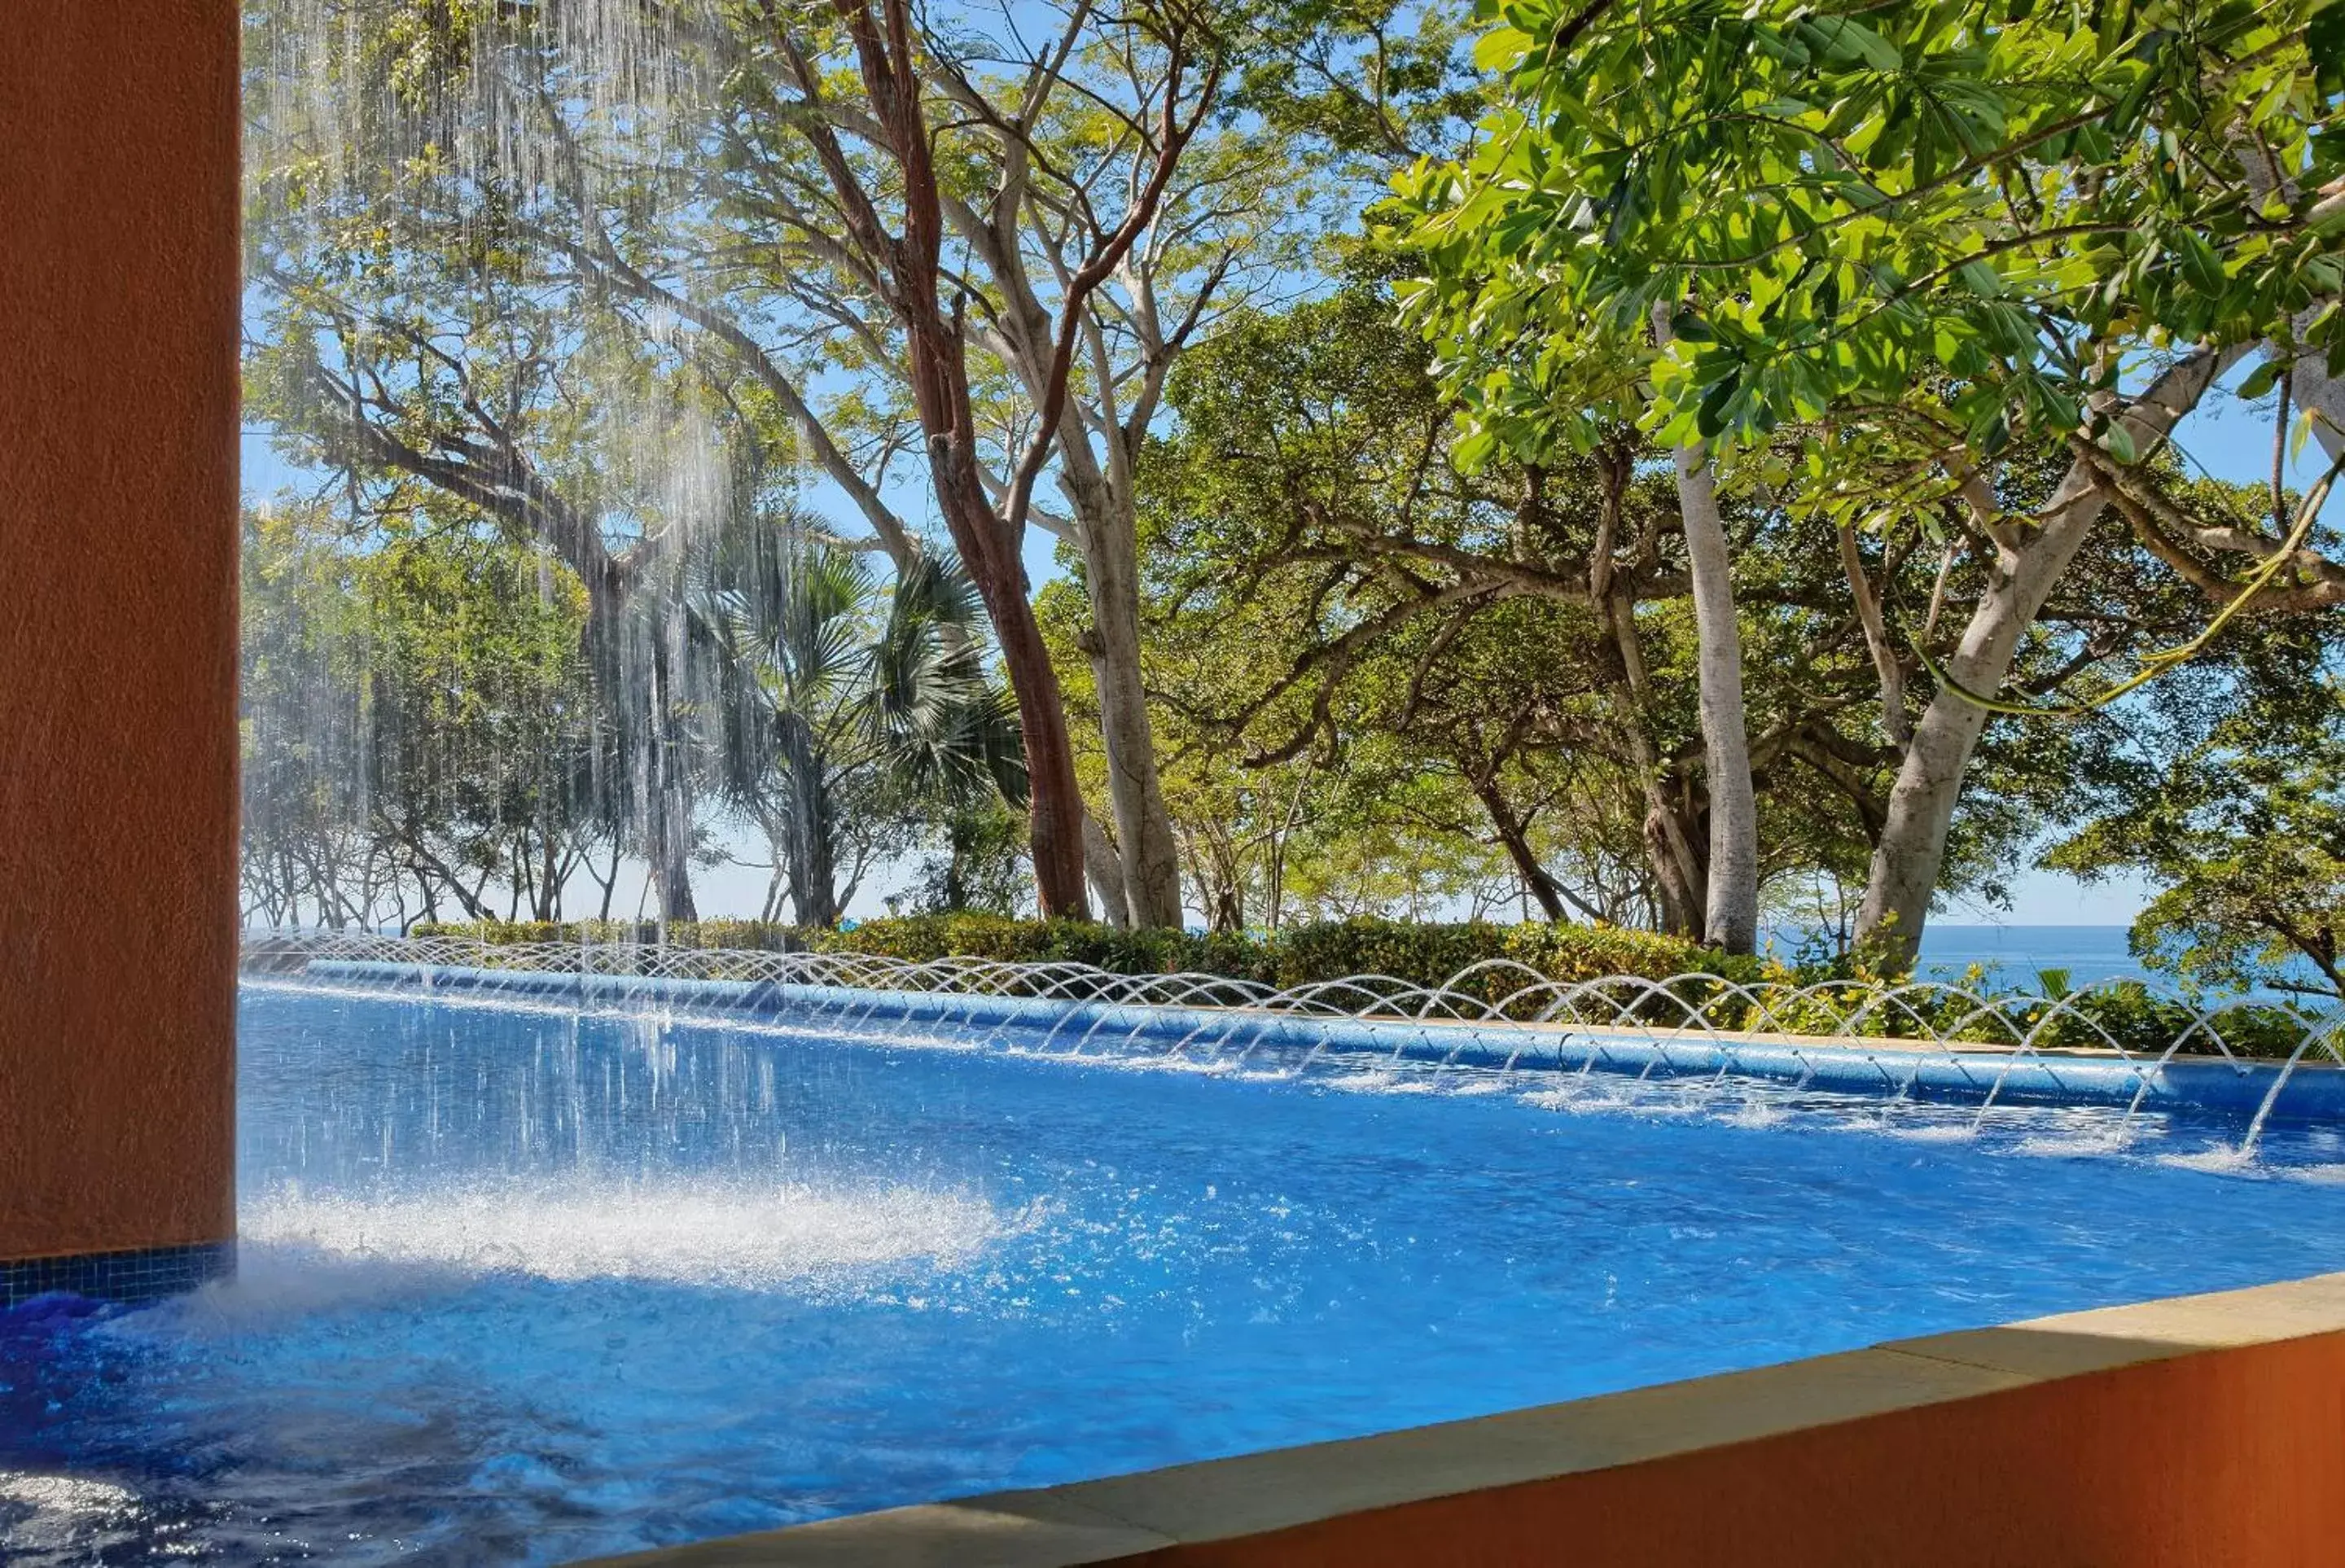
2172, 1430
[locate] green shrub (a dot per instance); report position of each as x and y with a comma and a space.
925, 938
2127, 1016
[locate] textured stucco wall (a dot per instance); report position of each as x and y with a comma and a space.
2218, 1458
118, 325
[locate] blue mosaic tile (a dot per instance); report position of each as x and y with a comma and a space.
140, 1274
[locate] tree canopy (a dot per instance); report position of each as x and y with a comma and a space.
1686, 465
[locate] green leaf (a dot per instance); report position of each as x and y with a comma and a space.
1856, 43
2197, 261
1710, 417
1501, 49
1980, 279
2260, 380
2324, 42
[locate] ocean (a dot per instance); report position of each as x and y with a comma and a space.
2087, 953
2013, 954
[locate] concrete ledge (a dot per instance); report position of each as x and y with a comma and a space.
2192, 1430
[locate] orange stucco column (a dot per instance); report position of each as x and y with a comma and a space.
118, 336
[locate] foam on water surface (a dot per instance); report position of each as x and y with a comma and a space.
725, 1233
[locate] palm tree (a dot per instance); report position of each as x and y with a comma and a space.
848, 714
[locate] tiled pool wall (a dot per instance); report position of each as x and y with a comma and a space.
1868, 1067
130, 1276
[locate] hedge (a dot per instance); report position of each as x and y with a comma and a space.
758, 935
1419, 953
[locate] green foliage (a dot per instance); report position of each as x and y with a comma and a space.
418, 720
850, 715
2126, 1015
925, 938
1344, 611
1906, 269
743, 936
2132, 1017
1418, 955
1391, 665
1840, 209
2244, 833
978, 867
1380, 83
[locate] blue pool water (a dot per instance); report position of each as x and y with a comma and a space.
524, 1285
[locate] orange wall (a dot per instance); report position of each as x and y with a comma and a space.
118, 329
2218, 1458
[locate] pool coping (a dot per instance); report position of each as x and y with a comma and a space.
1251, 1495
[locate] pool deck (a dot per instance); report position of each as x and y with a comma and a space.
2186, 1431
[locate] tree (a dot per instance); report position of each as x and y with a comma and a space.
305, 855
1912, 239
2238, 820
993, 249
419, 722
977, 867
1526, 629
453, 373
852, 717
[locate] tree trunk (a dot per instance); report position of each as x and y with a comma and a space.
1144, 828
1105, 864
1025, 336
1148, 879
1512, 833
671, 857
988, 547
2029, 562
1669, 846
1732, 903
1678, 889
1055, 822
667, 799
813, 871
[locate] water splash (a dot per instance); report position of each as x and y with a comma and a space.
62, 1519
1592, 1047
734, 1235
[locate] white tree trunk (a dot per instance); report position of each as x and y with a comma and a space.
1104, 865
1108, 534
1732, 907
1144, 828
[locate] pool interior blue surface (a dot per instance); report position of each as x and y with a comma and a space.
524, 1284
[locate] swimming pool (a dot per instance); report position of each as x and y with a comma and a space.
528, 1282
